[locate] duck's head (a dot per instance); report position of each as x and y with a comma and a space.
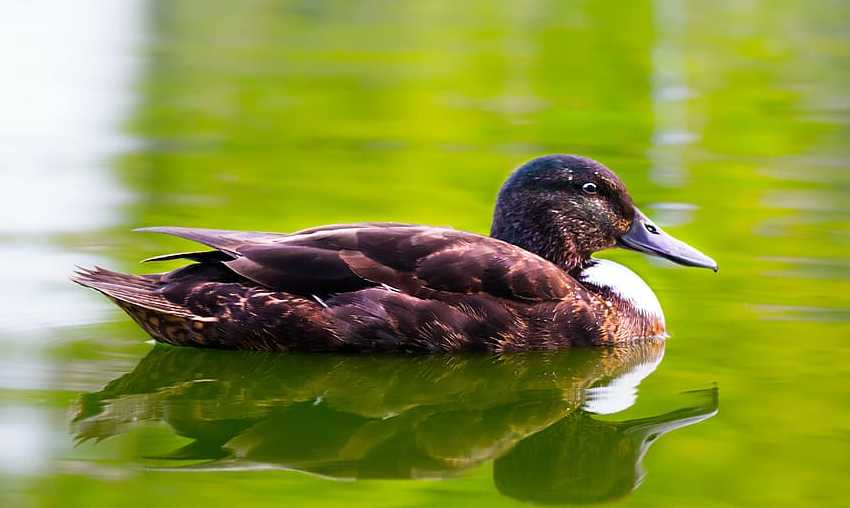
565, 207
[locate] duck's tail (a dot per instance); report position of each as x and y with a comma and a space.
139, 296
138, 290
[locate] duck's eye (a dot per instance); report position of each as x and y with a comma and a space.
589, 188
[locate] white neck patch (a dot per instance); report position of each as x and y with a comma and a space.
625, 283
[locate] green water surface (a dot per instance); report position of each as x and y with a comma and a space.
728, 120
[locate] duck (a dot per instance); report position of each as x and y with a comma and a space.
532, 284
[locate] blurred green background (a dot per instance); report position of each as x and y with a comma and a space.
728, 120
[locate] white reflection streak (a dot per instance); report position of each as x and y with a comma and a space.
24, 438
65, 90
669, 93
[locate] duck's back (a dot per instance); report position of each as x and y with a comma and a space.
357, 287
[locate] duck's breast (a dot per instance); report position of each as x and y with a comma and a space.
616, 280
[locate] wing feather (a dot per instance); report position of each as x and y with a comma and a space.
415, 259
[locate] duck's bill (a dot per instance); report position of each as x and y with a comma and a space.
645, 236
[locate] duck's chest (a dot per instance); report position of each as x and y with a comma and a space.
637, 310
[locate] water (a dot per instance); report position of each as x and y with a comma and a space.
727, 120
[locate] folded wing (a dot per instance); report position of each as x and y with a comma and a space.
418, 260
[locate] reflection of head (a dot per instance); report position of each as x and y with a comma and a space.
577, 460
582, 460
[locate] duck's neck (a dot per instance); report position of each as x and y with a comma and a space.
538, 232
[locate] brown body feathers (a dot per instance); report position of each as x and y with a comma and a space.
364, 287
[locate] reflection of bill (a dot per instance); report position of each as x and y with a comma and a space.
402, 417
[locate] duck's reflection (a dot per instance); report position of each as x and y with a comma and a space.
403, 417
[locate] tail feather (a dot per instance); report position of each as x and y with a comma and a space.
133, 289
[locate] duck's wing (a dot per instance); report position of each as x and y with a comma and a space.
223, 239
413, 259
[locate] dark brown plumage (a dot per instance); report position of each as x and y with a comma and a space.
400, 287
